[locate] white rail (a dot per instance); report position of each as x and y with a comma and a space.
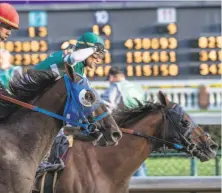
176, 183
188, 98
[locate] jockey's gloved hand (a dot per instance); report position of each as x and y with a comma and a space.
99, 47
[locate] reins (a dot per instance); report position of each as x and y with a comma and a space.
89, 127
148, 137
40, 110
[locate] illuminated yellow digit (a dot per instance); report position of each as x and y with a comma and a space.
64, 45
138, 43
155, 57
173, 57
73, 42
137, 57
212, 55
202, 42
146, 43
172, 28
43, 57
107, 30
95, 29
26, 46
129, 44
129, 70
219, 41
155, 43
211, 42
18, 59
172, 43
99, 71
11, 59
173, 70
146, 57
42, 32
129, 57
155, 70
91, 73
204, 69
9, 46
107, 59
26, 59
106, 70
35, 59
164, 56
203, 55
164, 70
219, 53
18, 46
220, 69
2, 45
31, 32
138, 70
213, 69
147, 71
107, 44
35, 46
43, 46
164, 43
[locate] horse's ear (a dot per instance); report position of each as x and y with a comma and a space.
163, 99
71, 73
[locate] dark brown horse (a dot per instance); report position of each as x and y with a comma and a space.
26, 136
92, 169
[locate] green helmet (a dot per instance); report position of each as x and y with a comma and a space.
88, 39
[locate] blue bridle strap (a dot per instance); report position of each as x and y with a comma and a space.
100, 117
51, 114
80, 115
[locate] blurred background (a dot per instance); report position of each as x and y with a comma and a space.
173, 46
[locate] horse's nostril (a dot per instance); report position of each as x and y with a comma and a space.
116, 135
214, 147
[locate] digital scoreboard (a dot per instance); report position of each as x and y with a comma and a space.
148, 43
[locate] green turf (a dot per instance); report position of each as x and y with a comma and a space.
179, 166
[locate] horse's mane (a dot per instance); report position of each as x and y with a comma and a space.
25, 86
127, 117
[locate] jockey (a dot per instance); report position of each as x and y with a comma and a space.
7, 70
88, 52
9, 19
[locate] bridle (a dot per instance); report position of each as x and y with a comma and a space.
186, 144
89, 127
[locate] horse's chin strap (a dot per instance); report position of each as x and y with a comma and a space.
148, 137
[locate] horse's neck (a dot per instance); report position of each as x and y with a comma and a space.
120, 162
125, 158
34, 132
53, 100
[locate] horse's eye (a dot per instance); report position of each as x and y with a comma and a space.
89, 97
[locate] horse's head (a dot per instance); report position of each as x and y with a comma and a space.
87, 107
181, 129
